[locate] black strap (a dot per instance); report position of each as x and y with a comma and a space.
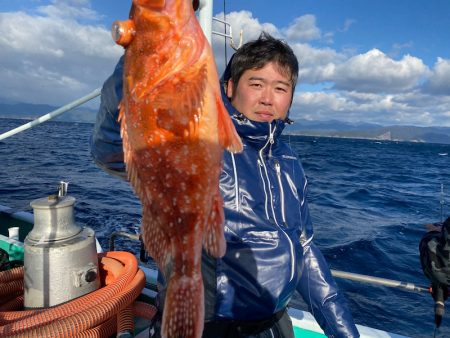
239, 328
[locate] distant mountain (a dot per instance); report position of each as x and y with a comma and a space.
371, 131
332, 128
32, 111
331, 125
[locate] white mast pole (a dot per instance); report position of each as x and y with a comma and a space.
205, 17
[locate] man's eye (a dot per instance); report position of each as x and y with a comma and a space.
281, 89
256, 85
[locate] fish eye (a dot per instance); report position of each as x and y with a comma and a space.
116, 31
123, 32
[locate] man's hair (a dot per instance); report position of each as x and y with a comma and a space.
257, 53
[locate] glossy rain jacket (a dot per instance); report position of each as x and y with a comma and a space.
270, 253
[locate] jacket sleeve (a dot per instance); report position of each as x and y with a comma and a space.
324, 299
318, 288
106, 143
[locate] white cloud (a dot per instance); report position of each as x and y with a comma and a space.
245, 21
347, 24
412, 108
316, 64
53, 58
397, 48
375, 72
75, 9
302, 29
439, 81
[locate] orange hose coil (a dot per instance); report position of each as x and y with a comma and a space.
9, 275
96, 314
106, 329
12, 303
144, 310
125, 319
80, 304
10, 287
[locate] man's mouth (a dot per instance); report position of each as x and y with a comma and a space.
264, 116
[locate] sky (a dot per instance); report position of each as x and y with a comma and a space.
370, 61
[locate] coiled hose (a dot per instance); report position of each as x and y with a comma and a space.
100, 313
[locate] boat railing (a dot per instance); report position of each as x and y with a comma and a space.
52, 114
406, 286
228, 33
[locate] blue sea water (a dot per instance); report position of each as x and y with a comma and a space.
369, 202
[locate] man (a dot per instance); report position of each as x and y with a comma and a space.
270, 253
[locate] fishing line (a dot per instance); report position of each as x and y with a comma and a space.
225, 28
442, 202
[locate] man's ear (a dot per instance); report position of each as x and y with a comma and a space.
230, 88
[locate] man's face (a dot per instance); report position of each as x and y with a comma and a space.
263, 94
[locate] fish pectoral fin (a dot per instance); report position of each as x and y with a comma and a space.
179, 100
127, 152
228, 136
156, 241
213, 235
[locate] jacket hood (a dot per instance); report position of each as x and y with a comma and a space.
256, 131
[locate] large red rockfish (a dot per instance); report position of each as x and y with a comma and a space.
174, 128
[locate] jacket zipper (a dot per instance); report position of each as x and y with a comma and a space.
278, 172
262, 166
236, 185
283, 215
266, 202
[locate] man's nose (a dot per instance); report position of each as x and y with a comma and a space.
266, 96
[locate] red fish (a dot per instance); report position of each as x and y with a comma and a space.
174, 128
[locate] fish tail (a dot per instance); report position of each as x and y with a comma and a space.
228, 136
213, 236
184, 311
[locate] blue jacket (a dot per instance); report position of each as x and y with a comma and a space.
270, 253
